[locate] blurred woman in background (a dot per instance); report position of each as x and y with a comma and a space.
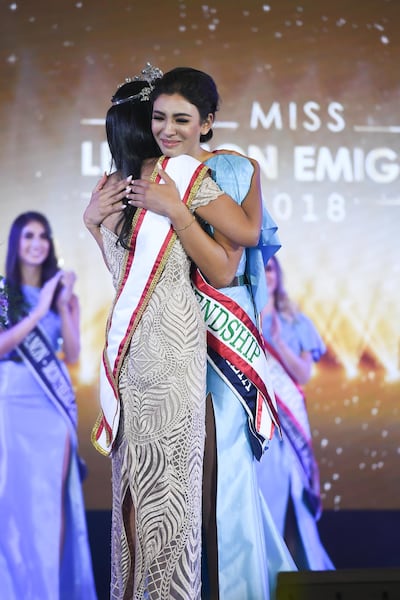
288, 473
44, 549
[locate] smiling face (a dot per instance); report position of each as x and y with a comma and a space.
177, 126
34, 244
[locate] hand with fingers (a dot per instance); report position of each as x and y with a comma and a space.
47, 294
107, 199
67, 282
161, 199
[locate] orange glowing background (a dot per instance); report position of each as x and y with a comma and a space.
309, 89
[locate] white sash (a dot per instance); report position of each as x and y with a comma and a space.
151, 242
296, 428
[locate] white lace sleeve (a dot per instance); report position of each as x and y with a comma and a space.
208, 191
114, 254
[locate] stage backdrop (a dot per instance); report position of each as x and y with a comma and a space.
311, 90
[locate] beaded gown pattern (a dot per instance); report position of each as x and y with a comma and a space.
158, 458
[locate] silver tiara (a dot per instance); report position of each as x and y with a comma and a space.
148, 74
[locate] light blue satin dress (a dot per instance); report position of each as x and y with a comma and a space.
44, 548
282, 465
251, 550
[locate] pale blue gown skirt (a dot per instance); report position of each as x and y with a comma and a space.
251, 550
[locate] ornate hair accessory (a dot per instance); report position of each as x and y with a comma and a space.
148, 74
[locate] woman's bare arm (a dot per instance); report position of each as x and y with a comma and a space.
106, 205
10, 338
216, 257
241, 223
224, 214
68, 309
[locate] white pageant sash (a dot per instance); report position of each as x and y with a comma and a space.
296, 428
235, 349
151, 242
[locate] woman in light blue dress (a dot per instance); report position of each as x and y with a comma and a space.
243, 549
294, 501
44, 549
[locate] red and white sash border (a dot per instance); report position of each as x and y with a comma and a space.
295, 423
151, 242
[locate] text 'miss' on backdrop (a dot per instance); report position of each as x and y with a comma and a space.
309, 89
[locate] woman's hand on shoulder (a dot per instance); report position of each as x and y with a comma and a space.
162, 199
106, 200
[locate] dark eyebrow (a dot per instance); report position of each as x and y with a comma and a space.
182, 114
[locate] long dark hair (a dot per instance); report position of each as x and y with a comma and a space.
195, 86
128, 129
13, 266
